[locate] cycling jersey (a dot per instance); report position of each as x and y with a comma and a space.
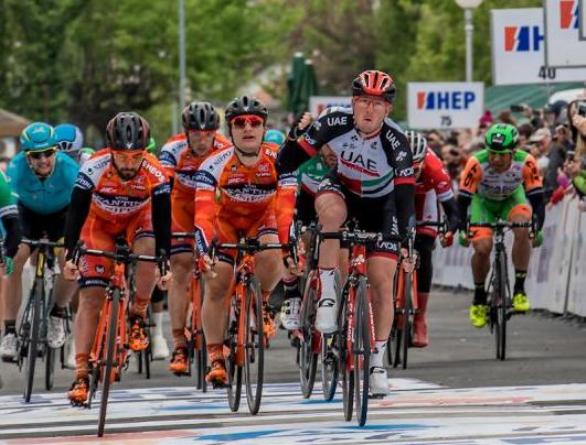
310, 174
480, 178
100, 194
182, 164
242, 197
433, 185
43, 196
368, 167
9, 226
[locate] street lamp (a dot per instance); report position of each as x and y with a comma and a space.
468, 6
182, 68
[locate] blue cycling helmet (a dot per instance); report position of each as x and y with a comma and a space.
37, 136
274, 136
69, 138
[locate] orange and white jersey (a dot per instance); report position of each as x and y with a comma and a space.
115, 199
180, 163
236, 194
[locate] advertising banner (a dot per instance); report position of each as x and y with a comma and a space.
563, 45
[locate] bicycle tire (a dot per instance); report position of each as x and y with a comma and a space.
202, 364
147, 354
361, 351
345, 365
234, 389
407, 321
307, 358
255, 345
110, 355
198, 343
35, 320
49, 368
501, 332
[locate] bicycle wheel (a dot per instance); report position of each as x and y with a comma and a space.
307, 356
407, 320
346, 359
329, 366
50, 355
361, 351
234, 370
111, 348
198, 340
254, 346
36, 301
501, 309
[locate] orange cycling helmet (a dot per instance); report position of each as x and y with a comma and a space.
374, 83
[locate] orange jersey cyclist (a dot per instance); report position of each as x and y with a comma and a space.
374, 183
499, 183
121, 191
181, 157
240, 191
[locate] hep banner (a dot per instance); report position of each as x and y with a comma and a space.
565, 45
444, 104
319, 103
518, 49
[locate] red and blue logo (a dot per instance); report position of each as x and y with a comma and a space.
445, 100
523, 38
569, 14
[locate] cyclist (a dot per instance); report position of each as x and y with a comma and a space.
121, 191
498, 182
373, 183
274, 136
9, 225
239, 190
70, 141
181, 156
433, 186
42, 179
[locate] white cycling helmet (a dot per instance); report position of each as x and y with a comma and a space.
418, 145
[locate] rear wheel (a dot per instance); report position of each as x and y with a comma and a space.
255, 346
407, 321
111, 349
361, 352
50, 355
501, 307
233, 369
346, 360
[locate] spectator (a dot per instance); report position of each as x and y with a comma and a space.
552, 157
486, 120
525, 132
506, 117
453, 159
563, 137
565, 177
434, 141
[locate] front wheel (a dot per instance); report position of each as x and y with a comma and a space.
254, 345
345, 362
34, 321
308, 357
50, 355
362, 350
500, 305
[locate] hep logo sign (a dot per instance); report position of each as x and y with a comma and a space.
569, 14
523, 38
445, 100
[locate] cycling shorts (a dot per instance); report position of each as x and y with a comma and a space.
233, 231
483, 210
98, 233
368, 212
182, 211
35, 225
305, 207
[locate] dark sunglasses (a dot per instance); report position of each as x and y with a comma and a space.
241, 121
42, 154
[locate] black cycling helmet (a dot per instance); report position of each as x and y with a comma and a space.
200, 116
128, 131
246, 105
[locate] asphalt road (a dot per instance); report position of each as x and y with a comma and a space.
542, 350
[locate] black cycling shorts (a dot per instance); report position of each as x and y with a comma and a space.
372, 215
305, 206
36, 225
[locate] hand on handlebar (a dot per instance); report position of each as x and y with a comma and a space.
537, 238
408, 261
447, 239
463, 239
8, 265
70, 270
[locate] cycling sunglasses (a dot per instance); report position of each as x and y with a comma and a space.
42, 154
252, 119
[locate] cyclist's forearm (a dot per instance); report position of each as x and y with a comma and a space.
161, 215
291, 157
464, 201
79, 209
450, 207
405, 203
11, 224
537, 200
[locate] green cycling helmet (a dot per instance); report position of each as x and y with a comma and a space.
152, 146
502, 138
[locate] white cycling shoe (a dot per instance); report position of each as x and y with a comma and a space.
8, 347
378, 382
56, 332
290, 313
159, 347
326, 318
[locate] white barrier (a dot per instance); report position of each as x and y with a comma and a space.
556, 279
